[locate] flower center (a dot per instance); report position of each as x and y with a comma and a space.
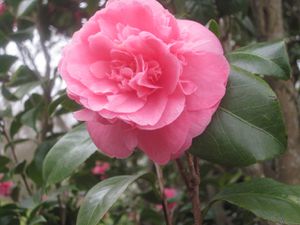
153, 72
134, 73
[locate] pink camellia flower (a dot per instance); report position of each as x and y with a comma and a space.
2, 7
5, 187
144, 78
169, 193
100, 168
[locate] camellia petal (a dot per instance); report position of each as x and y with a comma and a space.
116, 140
210, 79
160, 144
198, 38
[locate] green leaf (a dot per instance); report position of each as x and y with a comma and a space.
15, 125
29, 118
265, 198
37, 220
24, 6
213, 26
102, 197
3, 162
7, 94
65, 102
265, 59
22, 90
247, 127
22, 76
67, 154
20, 168
35, 168
6, 61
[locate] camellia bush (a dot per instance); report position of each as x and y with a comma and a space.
170, 123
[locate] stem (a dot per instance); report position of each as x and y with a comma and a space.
160, 179
46, 85
62, 210
13, 151
183, 173
192, 181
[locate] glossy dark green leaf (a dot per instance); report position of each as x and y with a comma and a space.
6, 23
265, 198
35, 168
102, 197
29, 118
65, 102
6, 61
20, 167
54, 104
67, 154
15, 125
3, 162
265, 58
247, 127
6, 93
22, 76
34, 106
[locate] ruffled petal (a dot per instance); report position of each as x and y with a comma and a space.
151, 113
209, 72
156, 19
100, 45
124, 103
86, 115
175, 106
161, 144
198, 38
116, 140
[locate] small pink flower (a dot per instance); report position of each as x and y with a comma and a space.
100, 168
5, 187
44, 197
145, 79
2, 7
169, 193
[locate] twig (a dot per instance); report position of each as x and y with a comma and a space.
13, 151
62, 210
192, 182
160, 179
183, 172
193, 164
47, 86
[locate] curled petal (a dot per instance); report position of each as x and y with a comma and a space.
116, 140
198, 38
209, 72
162, 143
124, 103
